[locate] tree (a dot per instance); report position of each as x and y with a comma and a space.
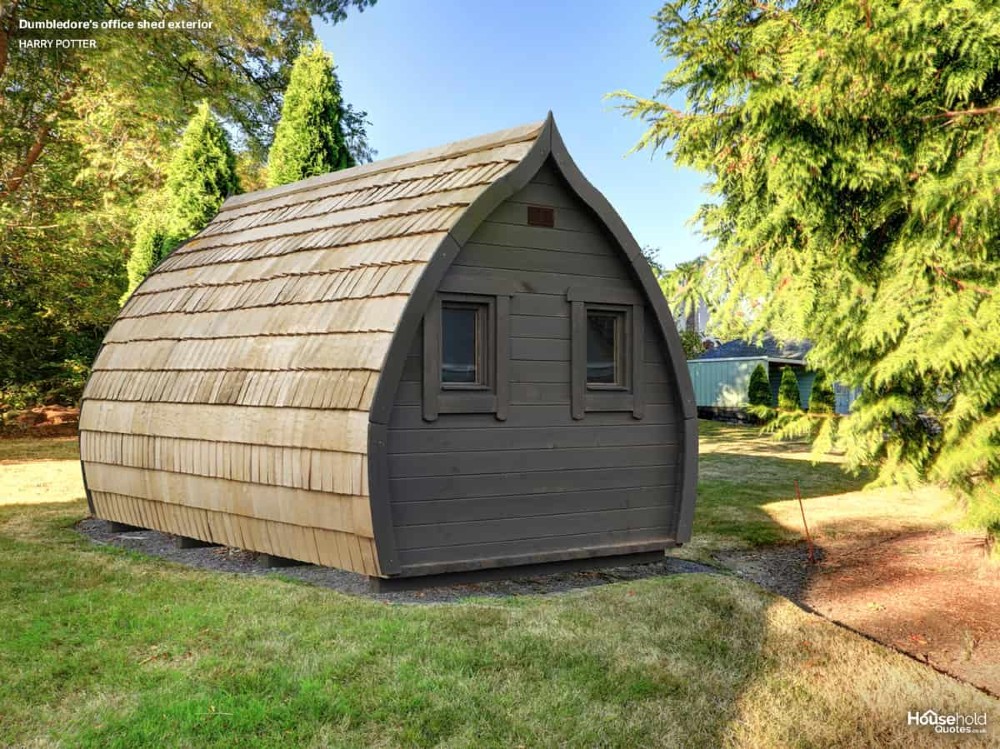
789, 398
851, 148
86, 133
310, 136
201, 175
821, 397
692, 344
684, 287
759, 389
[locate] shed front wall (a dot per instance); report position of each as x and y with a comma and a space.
722, 383
468, 490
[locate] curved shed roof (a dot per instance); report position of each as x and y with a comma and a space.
237, 394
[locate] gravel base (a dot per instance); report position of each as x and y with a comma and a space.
224, 559
784, 569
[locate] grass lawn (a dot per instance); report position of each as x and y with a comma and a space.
746, 496
104, 648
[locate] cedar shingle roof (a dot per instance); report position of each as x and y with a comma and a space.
252, 354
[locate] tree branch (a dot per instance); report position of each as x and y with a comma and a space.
954, 114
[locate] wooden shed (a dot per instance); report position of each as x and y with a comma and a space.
452, 360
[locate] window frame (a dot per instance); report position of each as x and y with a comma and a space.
626, 395
482, 354
491, 394
620, 314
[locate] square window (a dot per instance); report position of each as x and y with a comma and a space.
606, 348
464, 333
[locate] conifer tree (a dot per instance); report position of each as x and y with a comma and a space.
821, 397
200, 176
759, 389
310, 138
788, 391
853, 155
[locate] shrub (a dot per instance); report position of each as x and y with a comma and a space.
821, 398
788, 391
692, 344
759, 390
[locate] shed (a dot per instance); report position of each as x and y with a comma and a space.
451, 360
721, 376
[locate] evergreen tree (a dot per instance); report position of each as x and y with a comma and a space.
759, 390
310, 137
200, 176
685, 290
852, 150
788, 391
821, 398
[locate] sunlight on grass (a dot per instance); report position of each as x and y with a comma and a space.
875, 511
42, 481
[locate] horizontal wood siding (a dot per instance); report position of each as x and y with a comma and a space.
467, 490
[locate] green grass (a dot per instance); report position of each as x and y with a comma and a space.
106, 648
746, 495
28, 448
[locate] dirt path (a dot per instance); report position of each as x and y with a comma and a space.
931, 594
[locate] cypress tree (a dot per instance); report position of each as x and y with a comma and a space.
788, 391
310, 136
759, 390
821, 398
200, 176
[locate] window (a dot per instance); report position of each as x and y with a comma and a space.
606, 350
464, 335
465, 353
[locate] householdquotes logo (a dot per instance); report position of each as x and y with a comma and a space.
947, 722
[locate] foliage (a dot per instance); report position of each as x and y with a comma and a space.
200, 176
759, 389
692, 344
789, 398
853, 150
310, 137
821, 397
685, 289
85, 133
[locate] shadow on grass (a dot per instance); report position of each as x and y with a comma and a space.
733, 489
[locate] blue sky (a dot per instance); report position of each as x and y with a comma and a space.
434, 71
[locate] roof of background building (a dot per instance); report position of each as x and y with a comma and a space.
769, 347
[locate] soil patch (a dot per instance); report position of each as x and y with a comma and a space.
933, 594
224, 559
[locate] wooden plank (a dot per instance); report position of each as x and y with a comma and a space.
341, 316
489, 438
350, 514
578, 358
581, 545
524, 415
483, 531
541, 349
321, 351
530, 505
535, 326
531, 482
464, 463
532, 260
343, 431
502, 356
535, 283
567, 219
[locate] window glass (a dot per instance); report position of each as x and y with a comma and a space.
604, 347
461, 344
